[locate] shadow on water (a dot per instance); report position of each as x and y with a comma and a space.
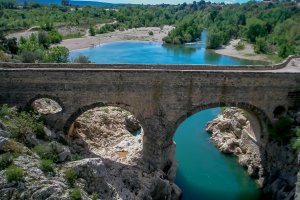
180, 49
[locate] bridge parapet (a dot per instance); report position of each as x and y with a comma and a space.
197, 67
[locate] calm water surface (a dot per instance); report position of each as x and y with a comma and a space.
203, 173
157, 53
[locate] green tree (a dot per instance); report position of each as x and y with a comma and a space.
57, 55
255, 29
82, 59
260, 45
43, 39
54, 37
285, 50
92, 31
214, 40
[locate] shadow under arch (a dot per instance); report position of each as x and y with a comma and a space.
41, 96
262, 118
69, 123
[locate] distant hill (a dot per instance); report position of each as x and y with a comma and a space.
75, 3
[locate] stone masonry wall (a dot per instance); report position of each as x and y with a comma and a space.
159, 99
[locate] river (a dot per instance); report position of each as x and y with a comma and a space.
203, 172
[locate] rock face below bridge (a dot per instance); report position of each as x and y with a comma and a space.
275, 166
99, 174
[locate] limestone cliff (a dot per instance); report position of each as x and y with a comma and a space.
274, 166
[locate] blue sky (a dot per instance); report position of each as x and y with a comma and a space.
161, 1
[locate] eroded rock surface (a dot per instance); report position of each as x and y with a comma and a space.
231, 133
104, 151
275, 166
46, 106
108, 132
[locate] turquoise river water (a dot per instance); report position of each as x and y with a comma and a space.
203, 172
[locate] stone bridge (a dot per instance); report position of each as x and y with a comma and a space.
160, 96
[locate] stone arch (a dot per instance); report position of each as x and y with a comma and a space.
81, 110
46, 96
262, 118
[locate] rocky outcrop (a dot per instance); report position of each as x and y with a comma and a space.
232, 134
108, 132
35, 184
281, 167
46, 106
104, 151
275, 166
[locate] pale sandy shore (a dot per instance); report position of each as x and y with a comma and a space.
247, 53
136, 34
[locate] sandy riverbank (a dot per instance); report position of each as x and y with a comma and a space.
136, 34
247, 53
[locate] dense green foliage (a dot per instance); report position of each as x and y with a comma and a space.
46, 151
19, 124
285, 131
56, 55
273, 28
8, 45
281, 130
14, 173
13, 18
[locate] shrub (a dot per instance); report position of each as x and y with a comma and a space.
19, 124
281, 130
5, 160
94, 196
31, 56
43, 39
75, 194
151, 33
92, 31
77, 157
82, 59
57, 55
260, 45
296, 142
239, 46
4, 57
46, 151
214, 40
13, 147
7, 112
70, 176
55, 37
46, 165
14, 173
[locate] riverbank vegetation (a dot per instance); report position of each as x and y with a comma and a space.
271, 27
